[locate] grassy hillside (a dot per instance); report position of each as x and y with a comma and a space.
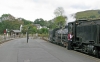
89, 14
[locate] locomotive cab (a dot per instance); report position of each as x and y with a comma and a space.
86, 36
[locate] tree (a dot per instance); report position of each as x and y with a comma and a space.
26, 22
43, 31
60, 19
51, 24
41, 22
36, 21
59, 11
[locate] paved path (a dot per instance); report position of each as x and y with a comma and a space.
38, 50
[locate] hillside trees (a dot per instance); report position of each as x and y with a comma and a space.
89, 14
9, 22
9, 25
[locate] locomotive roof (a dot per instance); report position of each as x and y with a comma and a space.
86, 22
89, 22
81, 20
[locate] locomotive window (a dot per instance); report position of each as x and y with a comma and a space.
77, 38
99, 34
70, 27
99, 37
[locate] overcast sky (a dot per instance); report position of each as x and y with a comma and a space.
33, 9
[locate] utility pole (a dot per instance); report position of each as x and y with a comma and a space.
62, 34
27, 34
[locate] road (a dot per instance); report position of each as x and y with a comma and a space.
37, 50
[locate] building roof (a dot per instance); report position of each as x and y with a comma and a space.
16, 31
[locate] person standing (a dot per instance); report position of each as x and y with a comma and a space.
70, 41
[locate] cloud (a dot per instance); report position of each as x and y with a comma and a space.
33, 9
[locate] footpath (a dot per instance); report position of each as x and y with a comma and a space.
2, 39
